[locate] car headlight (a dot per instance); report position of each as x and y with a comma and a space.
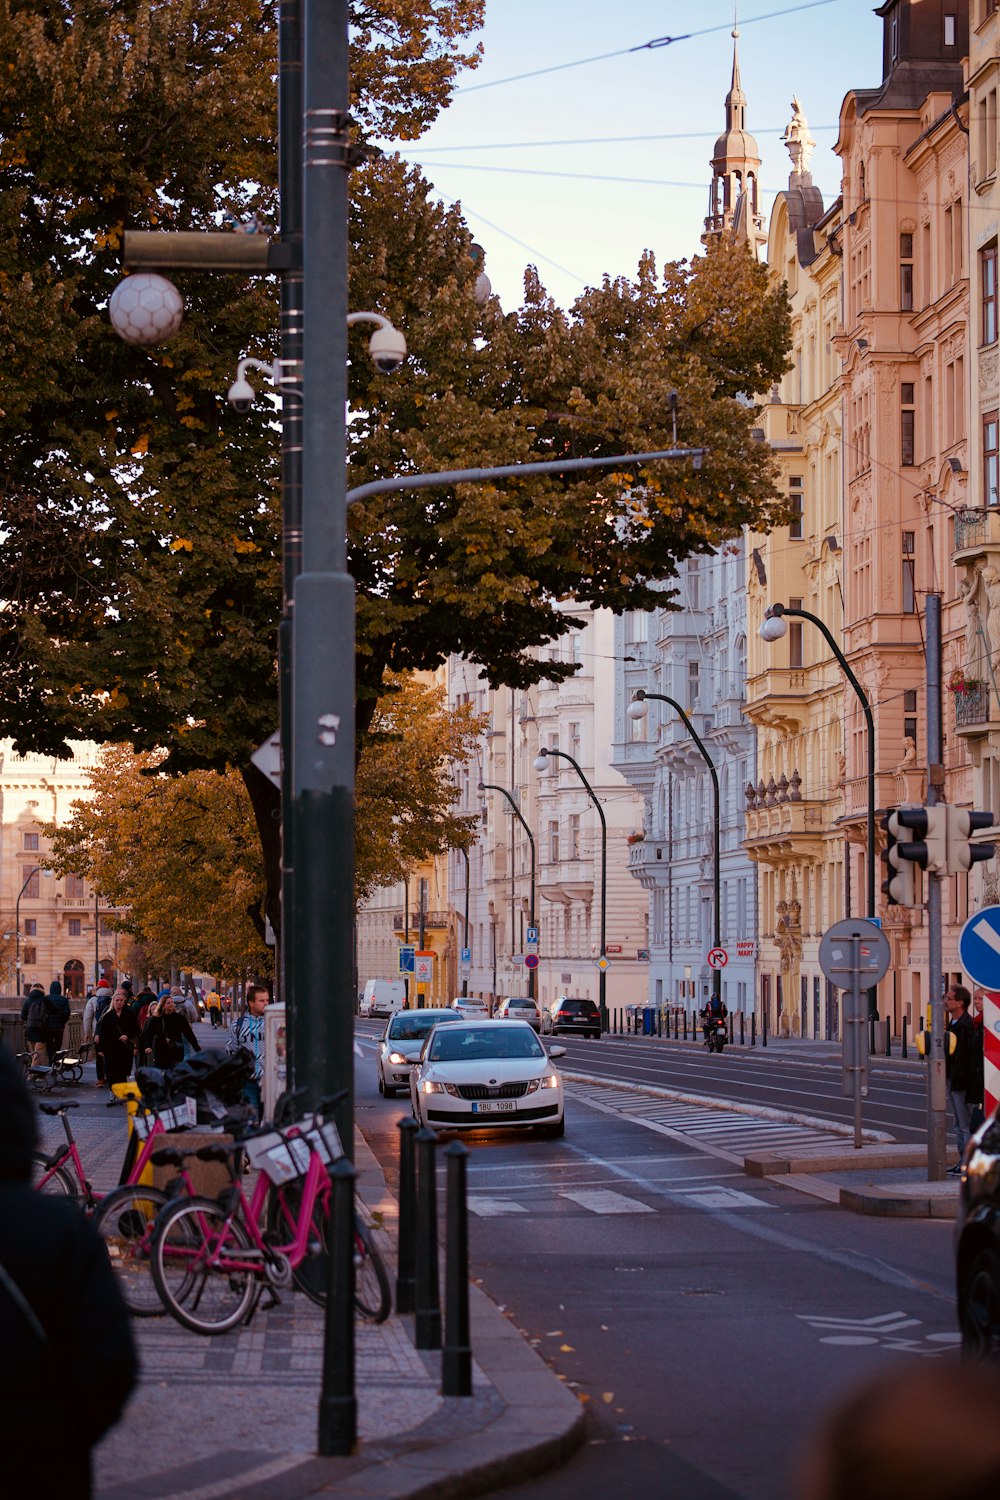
550, 1081
430, 1087
397, 1058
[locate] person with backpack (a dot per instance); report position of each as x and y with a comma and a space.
58, 1018
246, 1034
35, 1015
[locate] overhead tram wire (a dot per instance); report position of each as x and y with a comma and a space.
611, 140
650, 46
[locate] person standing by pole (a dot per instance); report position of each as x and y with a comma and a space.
246, 1034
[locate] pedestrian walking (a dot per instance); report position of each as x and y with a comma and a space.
165, 1034
35, 1015
144, 1000
58, 1008
69, 1361
213, 1001
116, 1038
959, 1065
246, 1034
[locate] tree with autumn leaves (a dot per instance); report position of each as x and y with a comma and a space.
141, 566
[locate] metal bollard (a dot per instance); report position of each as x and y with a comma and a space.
742, 1035
902, 1051
456, 1355
406, 1268
763, 1029
871, 1035
685, 1025
427, 1333
888, 1036
732, 1022
753, 1029
338, 1403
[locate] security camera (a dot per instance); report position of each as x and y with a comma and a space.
387, 348
241, 395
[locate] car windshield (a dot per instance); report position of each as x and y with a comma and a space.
411, 1026
472, 1044
470, 1004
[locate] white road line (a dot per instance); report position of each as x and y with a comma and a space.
494, 1208
604, 1201
721, 1197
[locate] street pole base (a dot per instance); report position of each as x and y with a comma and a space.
456, 1372
338, 1426
427, 1330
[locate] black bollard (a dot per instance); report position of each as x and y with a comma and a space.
888, 1037
428, 1286
456, 1355
685, 1025
902, 1051
338, 1403
732, 1022
753, 1029
406, 1267
763, 1028
871, 1035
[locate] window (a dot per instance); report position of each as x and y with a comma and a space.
991, 469
30, 956
949, 31
76, 886
31, 841
906, 272
988, 292
574, 836
30, 927
907, 425
909, 574
910, 715
75, 927
31, 888
795, 501
795, 637
694, 683
554, 842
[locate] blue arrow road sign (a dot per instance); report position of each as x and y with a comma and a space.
979, 947
407, 958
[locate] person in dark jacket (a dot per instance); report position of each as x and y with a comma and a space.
164, 1036
960, 1065
35, 1015
116, 1038
58, 1007
69, 1362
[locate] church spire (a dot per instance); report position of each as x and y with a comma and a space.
733, 205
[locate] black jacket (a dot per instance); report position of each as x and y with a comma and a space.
960, 1064
58, 1396
163, 1034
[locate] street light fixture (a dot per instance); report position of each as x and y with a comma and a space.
772, 628
387, 347
637, 710
488, 786
541, 760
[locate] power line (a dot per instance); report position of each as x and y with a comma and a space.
654, 45
613, 140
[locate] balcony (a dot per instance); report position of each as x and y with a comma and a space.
649, 862
975, 710
435, 919
566, 880
976, 530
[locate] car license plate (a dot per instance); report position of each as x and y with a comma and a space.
493, 1106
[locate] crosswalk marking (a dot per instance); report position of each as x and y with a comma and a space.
492, 1208
721, 1197
605, 1201
726, 1131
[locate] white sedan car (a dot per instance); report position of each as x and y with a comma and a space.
476, 1075
399, 1049
471, 1008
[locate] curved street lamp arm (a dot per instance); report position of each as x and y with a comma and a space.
510, 471
489, 786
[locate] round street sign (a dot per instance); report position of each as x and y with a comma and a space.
717, 958
839, 945
979, 947
531, 960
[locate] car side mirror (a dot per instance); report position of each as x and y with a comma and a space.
557, 1051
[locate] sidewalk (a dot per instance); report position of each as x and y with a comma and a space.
235, 1417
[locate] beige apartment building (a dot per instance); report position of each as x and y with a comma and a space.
53, 928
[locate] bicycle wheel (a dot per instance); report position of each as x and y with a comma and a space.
194, 1254
283, 1207
53, 1180
125, 1222
372, 1296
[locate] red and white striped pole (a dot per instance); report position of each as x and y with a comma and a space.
991, 1050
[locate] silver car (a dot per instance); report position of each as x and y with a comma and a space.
400, 1046
517, 1009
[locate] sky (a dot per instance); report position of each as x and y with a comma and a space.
639, 129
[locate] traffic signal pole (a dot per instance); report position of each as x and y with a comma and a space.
937, 1124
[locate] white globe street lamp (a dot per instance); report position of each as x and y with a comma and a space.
146, 309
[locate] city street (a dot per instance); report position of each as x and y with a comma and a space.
704, 1317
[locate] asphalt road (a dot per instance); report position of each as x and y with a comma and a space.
704, 1318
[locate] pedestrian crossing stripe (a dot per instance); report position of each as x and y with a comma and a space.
606, 1201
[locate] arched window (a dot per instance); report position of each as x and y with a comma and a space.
73, 978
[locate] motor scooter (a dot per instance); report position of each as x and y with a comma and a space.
716, 1033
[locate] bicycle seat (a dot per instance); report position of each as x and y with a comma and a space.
59, 1109
214, 1153
169, 1157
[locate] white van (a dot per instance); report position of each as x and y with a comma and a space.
382, 997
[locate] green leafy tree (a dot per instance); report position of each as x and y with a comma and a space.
141, 567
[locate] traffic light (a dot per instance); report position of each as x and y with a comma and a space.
929, 849
900, 885
962, 855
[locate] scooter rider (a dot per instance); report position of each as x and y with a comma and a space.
715, 1010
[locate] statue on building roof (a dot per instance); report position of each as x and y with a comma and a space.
799, 142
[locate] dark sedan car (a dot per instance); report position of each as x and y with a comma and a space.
977, 1245
568, 1014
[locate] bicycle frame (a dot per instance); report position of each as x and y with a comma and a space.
69, 1157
